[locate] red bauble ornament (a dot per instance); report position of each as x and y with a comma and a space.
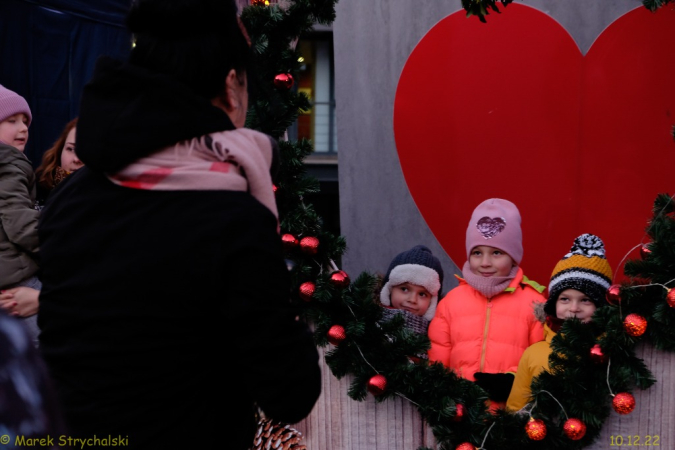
574, 429
307, 290
645, 251
340, 279
459, 413
283, 81
623, 403
465, 446
274, 188
536, 429
336, 334
597, 356
289, 241
635, 325
613, 297
670, 298
309, 245
377, 384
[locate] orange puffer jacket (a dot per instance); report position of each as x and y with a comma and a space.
470, 333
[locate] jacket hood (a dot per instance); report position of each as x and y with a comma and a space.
10, 154
539, 312
549, 334
128, 112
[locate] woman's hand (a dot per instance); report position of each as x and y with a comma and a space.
20, 301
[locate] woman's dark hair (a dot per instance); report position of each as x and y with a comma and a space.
51, 159
196, 41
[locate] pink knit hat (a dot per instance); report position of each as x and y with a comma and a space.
496, 223
12, 103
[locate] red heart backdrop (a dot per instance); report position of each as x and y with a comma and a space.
512, 109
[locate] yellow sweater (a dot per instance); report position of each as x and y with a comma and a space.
532, 363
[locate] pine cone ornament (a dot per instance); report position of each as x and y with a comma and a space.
277, 436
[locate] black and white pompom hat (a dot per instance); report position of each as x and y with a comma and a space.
417, 266
584, 268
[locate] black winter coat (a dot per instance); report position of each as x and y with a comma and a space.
165, 314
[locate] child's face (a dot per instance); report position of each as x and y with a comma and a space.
14, 131
69, 160
411, 297
574, 303
489, 262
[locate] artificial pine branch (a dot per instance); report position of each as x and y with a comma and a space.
481, 8
656, 273
653, 5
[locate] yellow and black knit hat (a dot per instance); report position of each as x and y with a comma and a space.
584, 268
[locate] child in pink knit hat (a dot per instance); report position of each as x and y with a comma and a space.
18, 216
483, 326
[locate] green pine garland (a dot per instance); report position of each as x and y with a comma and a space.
372, 347
482, 8
653, 5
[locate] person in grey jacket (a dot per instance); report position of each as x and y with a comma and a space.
18, 216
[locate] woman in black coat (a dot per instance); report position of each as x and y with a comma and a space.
165, 309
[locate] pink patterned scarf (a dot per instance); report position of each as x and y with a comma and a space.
237, 160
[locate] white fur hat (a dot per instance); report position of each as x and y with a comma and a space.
417, 266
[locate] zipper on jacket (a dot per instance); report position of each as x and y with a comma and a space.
485, 333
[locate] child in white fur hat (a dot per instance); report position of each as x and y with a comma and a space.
412, 286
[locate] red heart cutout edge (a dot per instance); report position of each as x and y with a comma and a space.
512, 109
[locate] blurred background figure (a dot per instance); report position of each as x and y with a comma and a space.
28, 408
58, 162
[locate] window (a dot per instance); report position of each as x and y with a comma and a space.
317, 81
